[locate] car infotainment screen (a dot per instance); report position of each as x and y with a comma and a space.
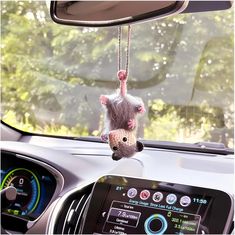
122, 205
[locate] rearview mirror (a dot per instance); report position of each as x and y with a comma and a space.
111, 13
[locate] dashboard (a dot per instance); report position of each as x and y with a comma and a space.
70, 187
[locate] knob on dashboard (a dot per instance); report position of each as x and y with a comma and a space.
155, 224
8, 196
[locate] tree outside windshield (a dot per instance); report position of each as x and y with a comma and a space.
182, 67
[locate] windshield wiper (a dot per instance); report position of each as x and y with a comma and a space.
202, 147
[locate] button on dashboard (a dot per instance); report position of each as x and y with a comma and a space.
157, 197
171, 199
185, 201
144, 195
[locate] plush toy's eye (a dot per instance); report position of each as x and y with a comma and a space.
124, 139
115, 148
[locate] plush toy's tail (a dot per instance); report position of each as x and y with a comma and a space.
122, 76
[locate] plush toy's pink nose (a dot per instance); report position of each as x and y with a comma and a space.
121, 75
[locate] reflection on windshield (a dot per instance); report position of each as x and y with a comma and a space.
182, 67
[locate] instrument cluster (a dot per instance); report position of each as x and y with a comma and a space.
35, 186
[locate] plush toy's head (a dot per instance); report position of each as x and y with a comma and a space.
123, 143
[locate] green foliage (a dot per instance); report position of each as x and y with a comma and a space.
170, 121
51, 128
182, 67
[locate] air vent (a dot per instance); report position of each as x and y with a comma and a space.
69, 219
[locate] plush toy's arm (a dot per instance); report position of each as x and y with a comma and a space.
131, 124
105, 133
104, 137
140, 108
137, 103
104, 99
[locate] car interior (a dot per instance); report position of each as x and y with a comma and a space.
58, 176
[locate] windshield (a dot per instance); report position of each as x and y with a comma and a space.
182, 68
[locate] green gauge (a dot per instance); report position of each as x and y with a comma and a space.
28, 190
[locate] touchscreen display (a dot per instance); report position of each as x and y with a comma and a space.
131, 209
134, 206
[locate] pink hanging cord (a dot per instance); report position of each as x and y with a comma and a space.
123, 74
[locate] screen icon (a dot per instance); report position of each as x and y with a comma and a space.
185, 201
157, 197
155, 224
171, 198
169, 214
144, 195
132, 192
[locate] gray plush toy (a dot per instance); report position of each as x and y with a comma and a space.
122, 110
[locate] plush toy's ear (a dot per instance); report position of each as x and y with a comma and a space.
115, 157
139, 146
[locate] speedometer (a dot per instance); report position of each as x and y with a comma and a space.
28, 190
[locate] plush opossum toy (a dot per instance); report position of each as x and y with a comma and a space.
122, 110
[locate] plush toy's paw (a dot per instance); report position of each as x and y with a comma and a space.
131, 124
103, 99
141, 109
104, 137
